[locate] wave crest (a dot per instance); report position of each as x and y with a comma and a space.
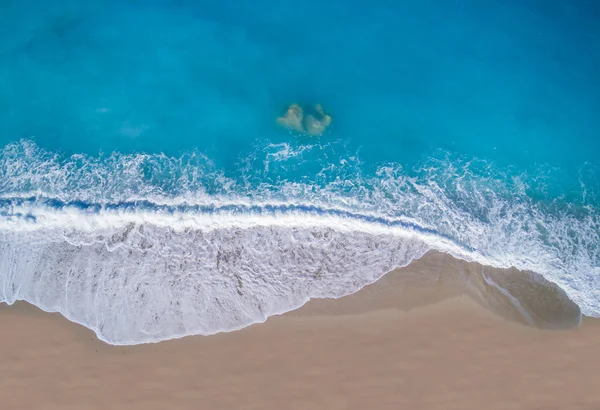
144, 248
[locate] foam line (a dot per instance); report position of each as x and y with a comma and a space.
143, 248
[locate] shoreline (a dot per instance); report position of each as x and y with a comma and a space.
419, 337
429, 279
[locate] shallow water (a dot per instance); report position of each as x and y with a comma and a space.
145, 185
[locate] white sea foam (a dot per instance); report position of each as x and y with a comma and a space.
145, 248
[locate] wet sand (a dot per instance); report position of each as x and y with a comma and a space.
439, 334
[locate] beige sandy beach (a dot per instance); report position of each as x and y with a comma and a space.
434, 335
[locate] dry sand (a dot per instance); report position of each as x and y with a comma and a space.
434, 335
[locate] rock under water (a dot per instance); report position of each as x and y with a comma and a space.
312, 122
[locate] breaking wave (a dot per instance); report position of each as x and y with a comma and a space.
142, 248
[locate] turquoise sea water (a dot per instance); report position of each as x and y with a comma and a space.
147, 192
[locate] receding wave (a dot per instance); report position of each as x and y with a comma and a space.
143, 248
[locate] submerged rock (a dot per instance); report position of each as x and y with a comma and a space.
293, 118
314, 123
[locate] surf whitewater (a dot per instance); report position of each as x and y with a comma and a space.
143, 248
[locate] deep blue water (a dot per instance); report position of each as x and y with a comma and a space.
476, 121
512, 81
